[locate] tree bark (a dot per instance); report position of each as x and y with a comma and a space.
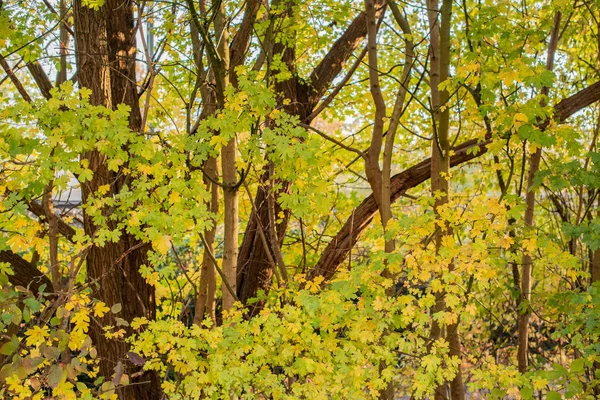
25, 273
105, 39
205, 301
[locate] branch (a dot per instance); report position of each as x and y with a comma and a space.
339, 86
337, 250
576, 102
340, 52
63, 228
14, 79
41, 79
39, 75
331, 139
25, 273
241, 39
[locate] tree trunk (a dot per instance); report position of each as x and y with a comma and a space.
205, 301
104, 40
439, 52
527, 261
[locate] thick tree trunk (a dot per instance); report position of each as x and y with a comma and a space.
122, 50
105, 39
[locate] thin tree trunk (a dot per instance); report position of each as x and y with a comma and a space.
439, 24
61, 75
228, 163
526, 261
595, 270
371, 158
205, 302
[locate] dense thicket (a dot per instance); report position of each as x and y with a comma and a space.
286, 199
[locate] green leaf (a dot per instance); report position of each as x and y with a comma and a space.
9, 347
553, 396
578, 365
55, 376
527, 392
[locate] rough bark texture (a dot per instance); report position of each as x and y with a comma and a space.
25, 273
106, 38
122, 50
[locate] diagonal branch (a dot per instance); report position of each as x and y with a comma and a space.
25, 273
63, 228
14, 79
338, 249
241, 39
333, 62
41, 79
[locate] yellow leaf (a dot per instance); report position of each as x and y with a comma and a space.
36, 335
103, 189
174, 197
17, 243
506, 242
520, 117
100, 309
137, 322
508, 77
529, 245
162, 244
471, 309
144, 169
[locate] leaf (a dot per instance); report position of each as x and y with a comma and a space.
51, 353
136, 358
162, 244
116, 308
55, 376
9, 347
527, 392
100, 309
578, 365
553, 396
118, 373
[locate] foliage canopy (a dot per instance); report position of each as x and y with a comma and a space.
299, 199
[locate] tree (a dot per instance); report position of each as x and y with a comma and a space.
215, 148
